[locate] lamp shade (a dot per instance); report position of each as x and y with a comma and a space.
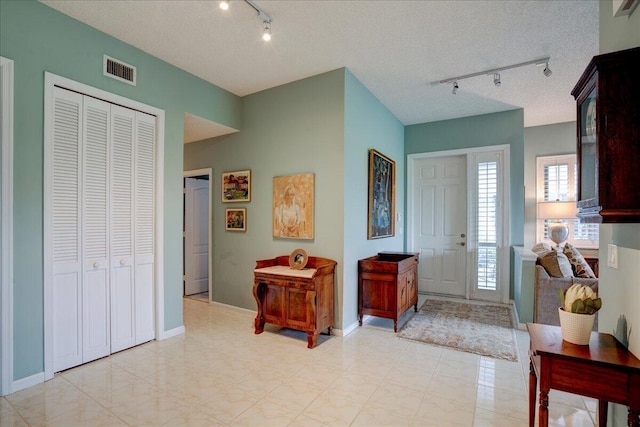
557, 210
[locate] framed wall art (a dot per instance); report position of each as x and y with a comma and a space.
236, 186
293, 206
236, 219
382, 195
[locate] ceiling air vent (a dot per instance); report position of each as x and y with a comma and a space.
119, 70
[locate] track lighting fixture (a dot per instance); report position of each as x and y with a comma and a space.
266, 33
264, 16
495, 72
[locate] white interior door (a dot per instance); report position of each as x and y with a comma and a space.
196, 239
439, 224
96, 328
122, 229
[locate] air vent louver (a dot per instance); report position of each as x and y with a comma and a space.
119, 70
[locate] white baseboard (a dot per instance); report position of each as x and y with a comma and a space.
346, 331
171, 333
235, 308
27, 382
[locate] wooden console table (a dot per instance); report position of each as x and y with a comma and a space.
295, 299
604, 370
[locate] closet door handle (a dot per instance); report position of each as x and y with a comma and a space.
96, 264
122, 261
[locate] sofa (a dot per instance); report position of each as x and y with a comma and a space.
546, 302
558, 269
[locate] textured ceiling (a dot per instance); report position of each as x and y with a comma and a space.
395, 48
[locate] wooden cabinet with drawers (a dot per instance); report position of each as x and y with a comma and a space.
387, 285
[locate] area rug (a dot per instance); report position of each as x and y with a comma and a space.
482, 329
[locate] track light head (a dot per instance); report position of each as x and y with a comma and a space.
224, 5
547, 71
496, 80
455, 88
266, 34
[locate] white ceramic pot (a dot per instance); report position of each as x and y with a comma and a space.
576, 328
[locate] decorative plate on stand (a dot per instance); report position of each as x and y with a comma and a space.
298, 259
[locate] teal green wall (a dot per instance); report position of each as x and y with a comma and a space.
325, 125
368, 124
480, 131
620, 288
549, 140
291, 129
38, 39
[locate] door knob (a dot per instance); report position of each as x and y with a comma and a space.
96, 264
122, 261
463, 235
460, 244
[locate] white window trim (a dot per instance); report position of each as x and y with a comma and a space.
541, 162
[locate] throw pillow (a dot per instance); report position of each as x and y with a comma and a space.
557, 264
541, 249
580, 266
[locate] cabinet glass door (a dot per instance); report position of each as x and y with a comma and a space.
588, 147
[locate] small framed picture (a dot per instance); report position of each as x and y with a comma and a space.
236, 186
236, 219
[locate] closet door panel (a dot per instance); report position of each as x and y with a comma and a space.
95, 183
122, 228
144, 224
63, 215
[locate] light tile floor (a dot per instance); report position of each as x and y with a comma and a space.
221, 374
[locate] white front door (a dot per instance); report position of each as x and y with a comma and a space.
439, 224
196, 239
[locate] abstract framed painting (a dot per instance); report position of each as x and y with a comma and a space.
382, 196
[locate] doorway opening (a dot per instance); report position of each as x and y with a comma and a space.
458, 221
197, 235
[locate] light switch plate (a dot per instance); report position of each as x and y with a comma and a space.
612, 256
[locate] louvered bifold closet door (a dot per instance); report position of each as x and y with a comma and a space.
144, 224
95, 193
62, 201
122, 228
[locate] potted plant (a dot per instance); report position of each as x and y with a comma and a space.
579, 305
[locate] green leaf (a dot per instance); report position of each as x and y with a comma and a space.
561, 293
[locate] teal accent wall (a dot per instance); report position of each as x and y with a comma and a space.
368, 124
38, 39
549, 140
324, 125
480, 131
291, 129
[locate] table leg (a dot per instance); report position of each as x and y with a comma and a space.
312, 339
603, 408
533, 385
543, 413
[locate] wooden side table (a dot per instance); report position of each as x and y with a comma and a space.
604, 370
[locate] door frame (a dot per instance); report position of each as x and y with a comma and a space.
190, 174
51, 81
6, 250
504, 256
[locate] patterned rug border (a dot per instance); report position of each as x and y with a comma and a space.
509, 349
